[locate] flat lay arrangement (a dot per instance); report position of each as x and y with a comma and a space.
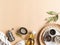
9, 37
49, 34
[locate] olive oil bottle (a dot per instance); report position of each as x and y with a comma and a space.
30, 40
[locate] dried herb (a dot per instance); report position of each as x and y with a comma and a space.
54, 18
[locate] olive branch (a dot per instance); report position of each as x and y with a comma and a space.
53, 18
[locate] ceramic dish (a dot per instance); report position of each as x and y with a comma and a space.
53, 39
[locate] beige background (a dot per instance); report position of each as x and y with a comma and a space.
26, 13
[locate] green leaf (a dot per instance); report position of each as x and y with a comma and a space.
49, 19
52, 13
55, 18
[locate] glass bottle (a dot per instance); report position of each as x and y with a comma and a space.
30, 40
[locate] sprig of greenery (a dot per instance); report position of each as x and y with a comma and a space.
54, 18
